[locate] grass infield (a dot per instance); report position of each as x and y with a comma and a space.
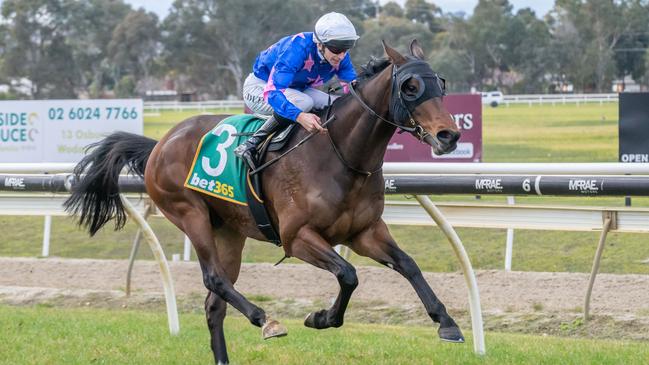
41, 335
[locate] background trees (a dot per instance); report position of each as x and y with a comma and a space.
97, 48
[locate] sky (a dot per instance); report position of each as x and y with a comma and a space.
541, 7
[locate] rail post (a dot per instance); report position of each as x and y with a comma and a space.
610, 222
165, 272
509, 245
47, 230
136, 245
187, 249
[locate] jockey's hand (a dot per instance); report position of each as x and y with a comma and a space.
310, 122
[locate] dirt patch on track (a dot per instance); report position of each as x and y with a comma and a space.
516, 301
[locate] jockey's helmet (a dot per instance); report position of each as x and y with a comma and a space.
335, 31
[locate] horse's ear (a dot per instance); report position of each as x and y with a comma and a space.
415, 49
395, 57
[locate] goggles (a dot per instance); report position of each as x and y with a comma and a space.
336, 50
338, 46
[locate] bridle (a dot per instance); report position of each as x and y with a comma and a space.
431, 85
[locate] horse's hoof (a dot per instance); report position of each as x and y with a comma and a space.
314, 320
272, 328
309, 320
320, 320
451, 334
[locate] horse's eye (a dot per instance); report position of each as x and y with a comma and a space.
411, 88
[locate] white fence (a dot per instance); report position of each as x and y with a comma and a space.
414, 168
465, 214
530, 99
157, 106
508, 216
534, 168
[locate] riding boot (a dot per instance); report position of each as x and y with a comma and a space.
247, 151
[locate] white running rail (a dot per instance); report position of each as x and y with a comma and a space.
530, 99
411, 168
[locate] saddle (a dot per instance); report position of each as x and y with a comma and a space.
277, 141
254, 193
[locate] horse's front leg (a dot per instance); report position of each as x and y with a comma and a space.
310, 247
377, 243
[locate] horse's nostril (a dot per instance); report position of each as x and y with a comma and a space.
447, 136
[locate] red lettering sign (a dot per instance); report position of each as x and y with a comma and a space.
466, 109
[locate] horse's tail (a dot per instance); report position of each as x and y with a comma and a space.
95, 193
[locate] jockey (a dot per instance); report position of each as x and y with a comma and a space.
286, 74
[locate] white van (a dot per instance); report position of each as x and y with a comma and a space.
493, 98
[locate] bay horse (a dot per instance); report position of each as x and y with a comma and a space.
329, 192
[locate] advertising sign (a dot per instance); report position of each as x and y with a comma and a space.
466, 109
634, 127
59, 130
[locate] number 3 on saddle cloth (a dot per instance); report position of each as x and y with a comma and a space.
217, 172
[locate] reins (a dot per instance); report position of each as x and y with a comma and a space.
347, 165
333, 144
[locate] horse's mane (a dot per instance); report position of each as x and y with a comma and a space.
373, 67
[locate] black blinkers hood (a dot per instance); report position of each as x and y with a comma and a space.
430, 86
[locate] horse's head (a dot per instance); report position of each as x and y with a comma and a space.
416, 101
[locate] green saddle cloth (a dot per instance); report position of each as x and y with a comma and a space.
216, 171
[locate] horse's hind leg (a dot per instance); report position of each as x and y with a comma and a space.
228, 247
193, 219
377, 243
199, 230
312, 248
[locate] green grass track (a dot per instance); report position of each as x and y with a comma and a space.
41, 335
